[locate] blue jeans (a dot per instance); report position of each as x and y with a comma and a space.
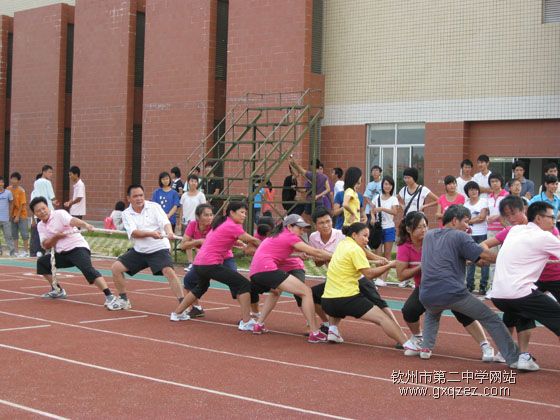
484, 271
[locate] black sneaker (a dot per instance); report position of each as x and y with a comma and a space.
324, 329
196, 313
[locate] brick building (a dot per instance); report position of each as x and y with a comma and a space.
127, 88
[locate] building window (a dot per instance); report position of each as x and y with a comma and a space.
222, 40
551, 11
317, 37
395, 147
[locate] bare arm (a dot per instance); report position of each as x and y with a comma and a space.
480, 218
375, 258
188, 243
406, 271
439, 213
248, 239
314, 252
373, 272
430, 201
487, 257
490, 243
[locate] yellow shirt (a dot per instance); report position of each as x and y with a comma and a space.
344, 270
354, 204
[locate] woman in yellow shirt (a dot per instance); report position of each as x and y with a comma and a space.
342, 295
351, 203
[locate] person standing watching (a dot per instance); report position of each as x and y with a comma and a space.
527, 186
77, 206
20, 223
43, 187
6, 204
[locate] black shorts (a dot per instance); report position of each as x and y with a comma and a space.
367, 290
78, 257
219, 272
270, 279
355, 306
258, 288
550, 286
135, 261
522, 312
413, 310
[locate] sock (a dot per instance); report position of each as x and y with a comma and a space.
58, 287
181, 299
484, 343
198, 307
107, 292
123, 296
333, 329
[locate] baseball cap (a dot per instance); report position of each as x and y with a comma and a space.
295, 219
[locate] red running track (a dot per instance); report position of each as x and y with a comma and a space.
72, 358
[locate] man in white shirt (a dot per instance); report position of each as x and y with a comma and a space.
77, 205
464, 177
149, 230
523, 256
481, 177
43, 187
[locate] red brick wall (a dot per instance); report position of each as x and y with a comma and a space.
446, 146
5, 28
37, 114
531, 138
344, 146
102, 103
178, 84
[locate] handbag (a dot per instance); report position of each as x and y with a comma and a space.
376, 229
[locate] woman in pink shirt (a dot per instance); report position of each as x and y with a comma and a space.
409, 256
209, 263
450, 197
265, 272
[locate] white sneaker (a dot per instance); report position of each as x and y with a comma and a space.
411, 348
404, 284
119, 304
380, 283
188, 267
333, 337
184, 316
55, 294
487, 353
109, 300
498, 358
246, 326
526, 362
425, 354
23, 254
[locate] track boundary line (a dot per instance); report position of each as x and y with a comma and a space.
33, 410
112, 319
24, 328
173, 383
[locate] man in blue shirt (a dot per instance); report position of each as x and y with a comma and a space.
548, 194
373, 188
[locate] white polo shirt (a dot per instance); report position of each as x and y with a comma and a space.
151, 218
316, 242
482, 181
78, 190
521, 261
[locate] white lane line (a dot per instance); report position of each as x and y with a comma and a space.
274, 361
13, 299
24, 328
32, 410
33, 287
172, 383
217, 309
147, 290
113, 319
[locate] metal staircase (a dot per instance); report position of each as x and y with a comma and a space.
262, 132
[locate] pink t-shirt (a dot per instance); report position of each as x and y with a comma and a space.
445, 204
59, 221
193, 231
494, 209
273, 251
290, 264
407, 253
551, 272
218, 243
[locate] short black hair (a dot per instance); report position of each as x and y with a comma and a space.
538, 208
318, 213
456, 211
512, 181
45, 168
496, 175
192, 176
376, 167
467, 162
16, 175
471, 185
353, 228
176, 171
511, 202
483, 158
163, 175
549, 166
449, 179
75, 170
133, 186
120, 206
518, 164
550, 179
38, 176
338, 172
36, 201
411, 172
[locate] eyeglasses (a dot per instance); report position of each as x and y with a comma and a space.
548, 215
